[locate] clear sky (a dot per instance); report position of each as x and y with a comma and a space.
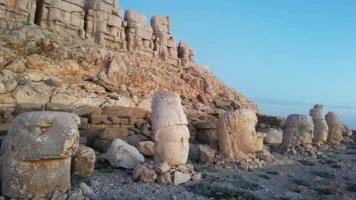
285, 55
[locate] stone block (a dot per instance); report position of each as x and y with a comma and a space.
84, 161
83, 123
101, 145
82, 110
95, 118
115, 21
113, 133
207, 154
162, 168
117, 120
119, 111
69, 7
57, 107
146, 148
27, 107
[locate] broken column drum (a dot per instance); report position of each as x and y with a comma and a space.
236, 133
37, 154
169, 124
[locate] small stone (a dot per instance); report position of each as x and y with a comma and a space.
36, 77
10, 84
143, 174
7, 73
181, 178
2, 88
162, 168
54, 82
183, 168
164, 179
146, 148
16, 66
191, 168
196, 177
87, 191
206, 154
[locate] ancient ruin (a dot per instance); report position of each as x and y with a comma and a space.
37, 154
237, 135
320, 125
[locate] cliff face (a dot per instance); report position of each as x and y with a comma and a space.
70, 67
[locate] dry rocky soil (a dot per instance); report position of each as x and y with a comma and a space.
330, 176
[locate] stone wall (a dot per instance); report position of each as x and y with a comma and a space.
98, 127
101, 21
266, 121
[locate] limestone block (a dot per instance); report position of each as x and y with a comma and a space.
37, 154
236, 133
84, 161
335, 128
131, 15
172, 144
167, 110
30, 94
273, 136
121, 154
298, 130
115, 21
162, 168
69, 7
114, 133
56, 3
76, 2
121, 111
165, 179
320, 125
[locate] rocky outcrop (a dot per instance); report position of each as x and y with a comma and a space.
170, 131
236, 133
37, 154
320, 126
74, 71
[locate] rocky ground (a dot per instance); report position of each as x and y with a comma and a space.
330, 176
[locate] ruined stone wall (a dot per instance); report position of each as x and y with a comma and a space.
101, 21
266, 121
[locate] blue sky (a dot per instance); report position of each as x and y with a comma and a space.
289, 52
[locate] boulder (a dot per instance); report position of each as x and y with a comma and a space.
144, 174
236, 133
84, 162
298, 130
335, 128
207, 154
37, 154
273, 136
146, 148
180, 178
320, 126
121, 154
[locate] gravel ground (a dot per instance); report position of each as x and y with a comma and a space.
332, 176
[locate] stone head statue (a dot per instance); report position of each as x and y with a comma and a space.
298, 129
335, 128
237, 134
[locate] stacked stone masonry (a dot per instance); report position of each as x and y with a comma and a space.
103, 22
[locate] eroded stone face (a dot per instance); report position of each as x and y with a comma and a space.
335, 128
237, 134
172, 145
320, 126
171, 134
298, 130
37, 154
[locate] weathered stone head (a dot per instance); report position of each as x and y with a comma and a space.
320, 126
298, 129
335, 128
169, 124
37, 154
236, 133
